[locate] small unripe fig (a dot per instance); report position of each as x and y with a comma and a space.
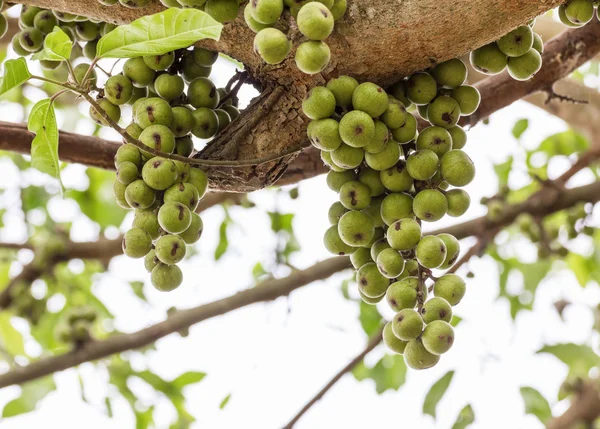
407, 324
136, 243
391, 341
438, 337
166, 277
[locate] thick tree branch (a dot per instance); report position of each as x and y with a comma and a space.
267, 291
585, 407
374, 341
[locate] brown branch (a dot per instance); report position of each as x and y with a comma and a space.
267, 291
16, 246
374, 341
585, 407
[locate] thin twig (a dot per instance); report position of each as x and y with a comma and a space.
374, 341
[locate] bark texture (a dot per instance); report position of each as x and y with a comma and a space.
379, 41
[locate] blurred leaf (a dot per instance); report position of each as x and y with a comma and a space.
520, 127
31, 393
33, 197
465, 418
536, 404
138, 289
565, 143
16, 74
503, 171
580, 267
579, 358
158, 34
187, 378
44, 147
144, 419
97, 201
12, 340
223, 239
225, 401
281, 222
259, 272
57, 47
436, 393
108, 405
388, 373
345, 286
370, 318
456, 320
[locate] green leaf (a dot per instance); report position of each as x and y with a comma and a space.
578, 357
44, 147
158, 34
188, 378
57, 47
503, 171
16, 74
565, 143
580, 267
11, 339
436, 393
465, 418
31, 393
223, 244
388, 373
520, 127
370, 318
224, 402
536, 404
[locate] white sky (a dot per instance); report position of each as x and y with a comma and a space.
273, 357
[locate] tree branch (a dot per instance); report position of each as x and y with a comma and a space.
374, 341
267, 291
585, 407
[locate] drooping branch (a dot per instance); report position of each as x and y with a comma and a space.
267, 291
585, 407
373, 342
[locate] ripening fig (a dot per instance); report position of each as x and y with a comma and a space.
138, 72
391, 341
397, 178
139, 195
174, 217
450, 287
459, 136
390, 263
403, 294
374, 212
319, 103
338, 10
224, 119
159, 173
436, 308
451, 73
206, 123
452, 250
119, 194
202, 92
370, 281
443, 111
384, 159
134, 130
417, 357
436, 139
438, 337
517, 42
369, 300
136, 243
147, 220
266, 11
118, 89
489, 59
170, 249
458, 202
153, 111
158, 137
355, 195
169, 86
166, 278
194, 231
312, 57
380, 139
272, 45
324, 134
112, 111
396, 206
127, 172
395, 115
315, 21
150, 261
360, 257
421, 88
407, 132
345, 157
430, 205
342, 88
335, 179
182, 125
525, 66
578, 12
407, 324
468, 99
457, 168
371, 178
431, 252
199, 179
422, 164
356, 228
371, 99
398, 91
334, 244
377, 247
252, 23
404, 234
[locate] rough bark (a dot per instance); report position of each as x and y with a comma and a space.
377, 41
